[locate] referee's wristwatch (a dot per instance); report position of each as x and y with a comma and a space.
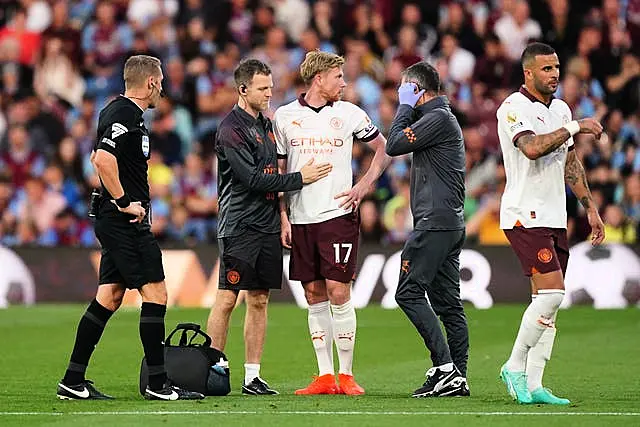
123, 202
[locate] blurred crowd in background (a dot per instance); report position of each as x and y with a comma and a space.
62, 60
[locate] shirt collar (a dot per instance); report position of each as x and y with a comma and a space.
532, 98
304, 103
247, 118
131, 101
438, 101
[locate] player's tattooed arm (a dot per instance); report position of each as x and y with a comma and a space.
535, 146
575, 176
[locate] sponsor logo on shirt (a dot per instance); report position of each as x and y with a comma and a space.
117, 129
316, 142
109, 142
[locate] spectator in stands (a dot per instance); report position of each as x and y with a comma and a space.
18, 36
37, 205
62, 29
197, 191
516, 29
104, 43
20, 161
56, 77
397, 217
406, 50
493, 68
616, 223
460, 60
68, 229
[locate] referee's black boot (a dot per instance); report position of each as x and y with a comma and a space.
172, 392
83, 391
257, 387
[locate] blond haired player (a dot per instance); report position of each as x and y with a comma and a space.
536, 136
320, 222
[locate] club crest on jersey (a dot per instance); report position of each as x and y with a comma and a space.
336, 123
145, 145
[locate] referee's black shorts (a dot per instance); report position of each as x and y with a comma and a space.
131, 255
250, 261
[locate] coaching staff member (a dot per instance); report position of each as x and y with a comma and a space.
131, 257
425, 126
249, 219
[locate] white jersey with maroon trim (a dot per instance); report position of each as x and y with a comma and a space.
535, 193
325, 134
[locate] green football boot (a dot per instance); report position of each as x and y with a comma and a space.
516, 383
544, 395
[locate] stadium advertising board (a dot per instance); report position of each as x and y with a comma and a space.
606, 277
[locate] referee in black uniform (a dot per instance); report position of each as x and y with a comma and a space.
431, 255
131, 257
249, 218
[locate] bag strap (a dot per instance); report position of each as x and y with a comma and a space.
184, 341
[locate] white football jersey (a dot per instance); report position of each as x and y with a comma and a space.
326, 135
535, 192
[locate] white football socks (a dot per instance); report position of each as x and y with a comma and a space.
536, 319
539, 355
320, 320
251, 371
344, 333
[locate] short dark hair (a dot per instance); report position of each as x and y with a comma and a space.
248, 68
534, 49
424, 75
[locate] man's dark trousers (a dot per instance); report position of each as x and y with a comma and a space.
431, 264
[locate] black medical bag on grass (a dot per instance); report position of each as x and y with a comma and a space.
192, 366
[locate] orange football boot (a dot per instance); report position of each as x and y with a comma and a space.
349, 386
325, 384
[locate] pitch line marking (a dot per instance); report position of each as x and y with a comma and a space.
454, 413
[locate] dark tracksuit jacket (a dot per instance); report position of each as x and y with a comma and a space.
248, 179
430, 258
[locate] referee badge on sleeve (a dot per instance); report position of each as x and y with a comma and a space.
145, 145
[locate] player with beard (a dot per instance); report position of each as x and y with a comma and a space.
320, 223
536, 137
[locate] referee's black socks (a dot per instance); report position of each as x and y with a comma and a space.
152, 337
88, 334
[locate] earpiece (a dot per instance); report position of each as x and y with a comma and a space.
243, 89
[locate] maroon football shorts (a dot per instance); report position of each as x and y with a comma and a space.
540, 249
325, 250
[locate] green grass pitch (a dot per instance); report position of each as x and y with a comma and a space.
595, 363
